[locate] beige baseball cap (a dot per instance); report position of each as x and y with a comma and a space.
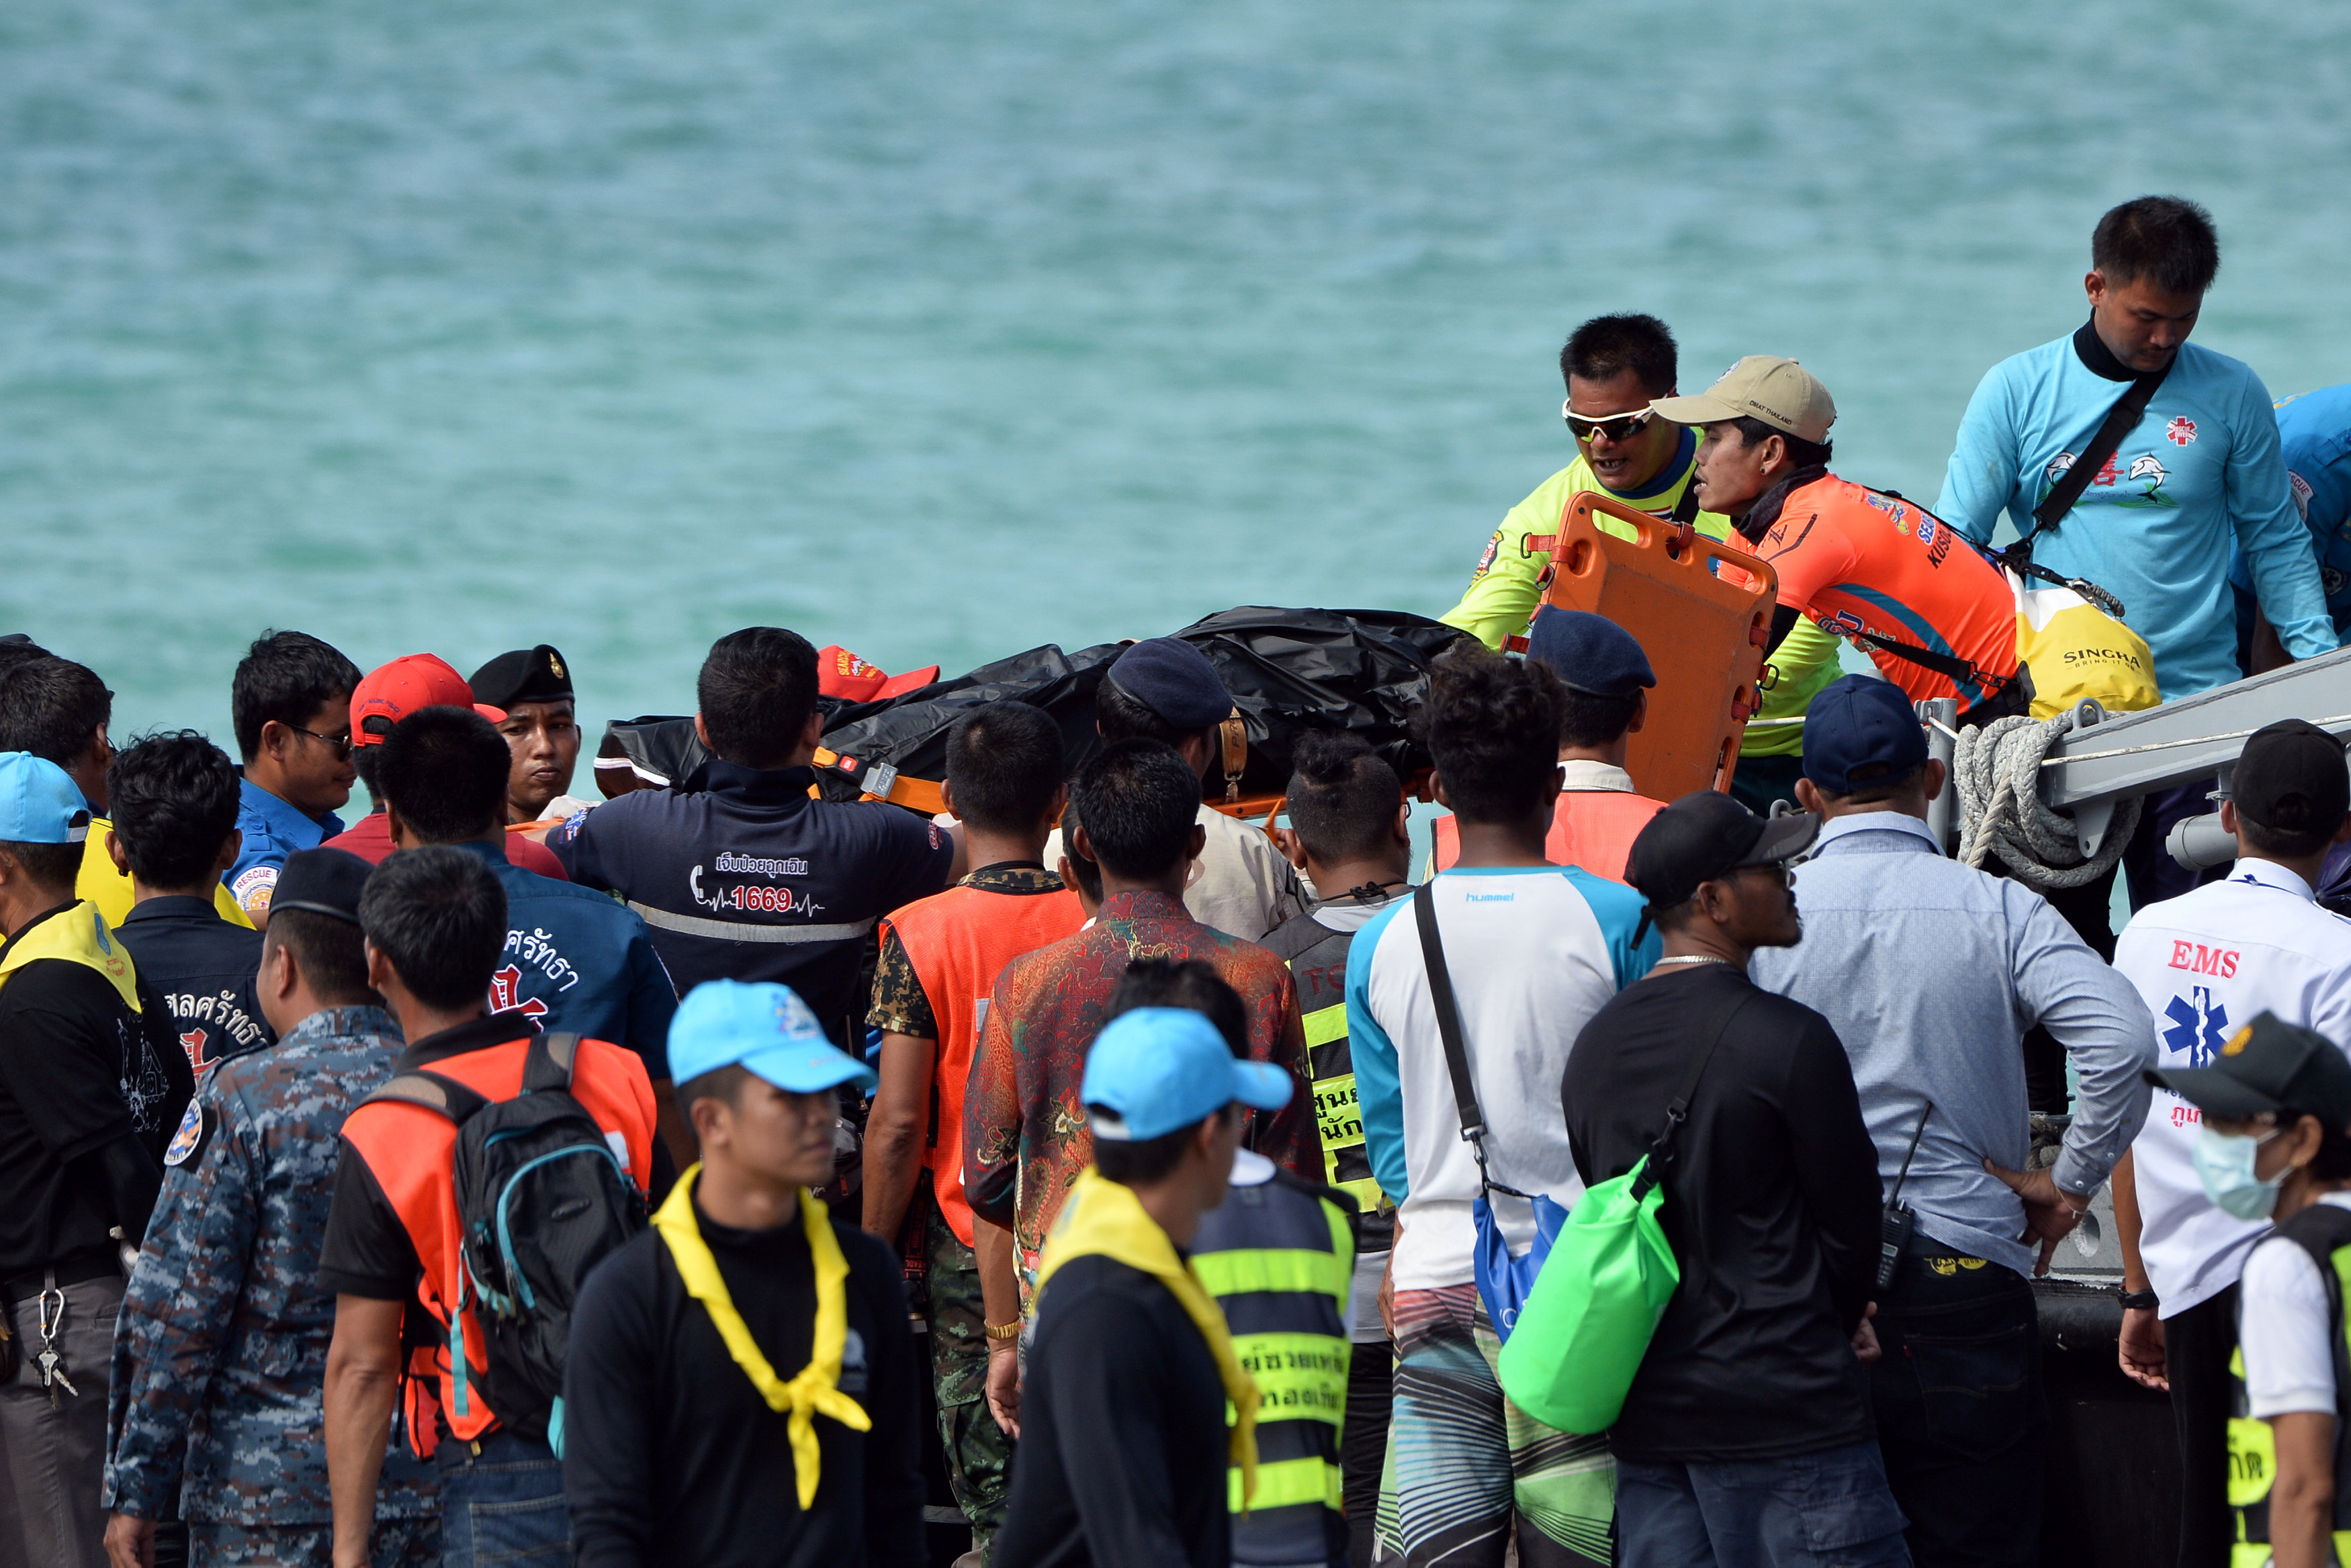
1780, 392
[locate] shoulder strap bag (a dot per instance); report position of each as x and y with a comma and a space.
1587, 1323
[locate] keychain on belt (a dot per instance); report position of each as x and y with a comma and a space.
51, 1319
1894, 1225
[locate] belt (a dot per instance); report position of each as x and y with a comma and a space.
73, 1269
744, 931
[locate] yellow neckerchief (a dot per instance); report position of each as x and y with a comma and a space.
78, 936
813, 1392
1105, 1217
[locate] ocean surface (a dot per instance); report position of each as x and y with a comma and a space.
941, 331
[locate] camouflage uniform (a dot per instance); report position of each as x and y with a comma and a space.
979, 1456
220, 1352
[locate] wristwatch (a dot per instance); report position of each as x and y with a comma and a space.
2140, 1301
1000, 1331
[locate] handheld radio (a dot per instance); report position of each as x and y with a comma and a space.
1895, 1225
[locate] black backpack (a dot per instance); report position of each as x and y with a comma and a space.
542, 1199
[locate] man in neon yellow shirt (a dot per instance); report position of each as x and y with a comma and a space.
1615, 367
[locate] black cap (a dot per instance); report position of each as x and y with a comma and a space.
526, 675
1704, 836
2293, 758
1175, 681
2268, 1065
320, 882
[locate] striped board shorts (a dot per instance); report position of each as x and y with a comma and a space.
1464, 1464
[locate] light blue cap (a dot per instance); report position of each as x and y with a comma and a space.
40, 802
1156, 1069
764, 1027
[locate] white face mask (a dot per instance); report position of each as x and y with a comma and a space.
2224, 1164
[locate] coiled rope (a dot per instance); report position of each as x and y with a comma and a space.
1997, 769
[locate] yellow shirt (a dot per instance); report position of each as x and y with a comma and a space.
1510, 579
110, 890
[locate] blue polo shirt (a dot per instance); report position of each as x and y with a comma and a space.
273, 829
578, 963
2315, 433
745, 877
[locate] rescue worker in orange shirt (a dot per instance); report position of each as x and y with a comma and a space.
1936, 616
936, 972
1599, 811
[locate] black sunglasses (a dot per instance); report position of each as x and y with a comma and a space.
341, 744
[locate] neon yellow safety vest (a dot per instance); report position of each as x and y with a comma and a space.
2324, 1231
1279, 1257
1511, 577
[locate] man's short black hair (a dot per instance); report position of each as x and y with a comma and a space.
1120, 717
1140, 799
1491, 724
13, 654
724, 1084
331, 953
439, 916
1872, 783
1342, 796
2296, 832
1145, 1160
52, 865
363, 763
1004, 762
2168, 241
1801, 452
757, 688
1589, 719
1087, 873
445, 770
285, 676
1607, 345
1189, 982
53, 708
173, 799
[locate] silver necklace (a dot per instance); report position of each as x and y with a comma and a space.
1692, 958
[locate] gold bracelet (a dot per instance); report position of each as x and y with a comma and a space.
1004, 1330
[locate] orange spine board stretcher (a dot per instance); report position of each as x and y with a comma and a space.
1704, 634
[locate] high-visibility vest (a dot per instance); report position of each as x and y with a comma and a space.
2324, 1231
1317, 957
958, 941
411, 1151
1279, 1258
1591, 829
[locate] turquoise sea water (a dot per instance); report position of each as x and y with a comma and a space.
940, 331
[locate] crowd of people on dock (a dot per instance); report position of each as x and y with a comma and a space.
692, 1173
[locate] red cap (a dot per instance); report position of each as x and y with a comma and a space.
390, 693
841, 673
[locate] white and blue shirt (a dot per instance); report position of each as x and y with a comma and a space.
2206, 963
1533, 954
2198, 476
273, 829
2314, 434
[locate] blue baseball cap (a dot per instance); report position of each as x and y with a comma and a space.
1175, 681
1590, 652
1156, 1069
764, 1027
40, 802
1859, 724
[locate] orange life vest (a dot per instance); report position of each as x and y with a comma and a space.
412, 1153
1592, 828
958, 941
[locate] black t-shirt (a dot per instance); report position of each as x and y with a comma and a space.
671, 1455
205, 971
1123, 1455
744, 878
1770, 1202
77, 1070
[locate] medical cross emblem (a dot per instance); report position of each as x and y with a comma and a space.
2180, 431
505, 986
2199, 1024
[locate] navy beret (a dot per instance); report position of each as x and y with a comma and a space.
526, 675
1591, 653
321, 882
1859, 722
1175, 681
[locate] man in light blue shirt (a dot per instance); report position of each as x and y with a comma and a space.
1931, 973
2314, 438
291, 707
2199, 476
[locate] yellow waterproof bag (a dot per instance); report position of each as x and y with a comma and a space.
2075, 650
